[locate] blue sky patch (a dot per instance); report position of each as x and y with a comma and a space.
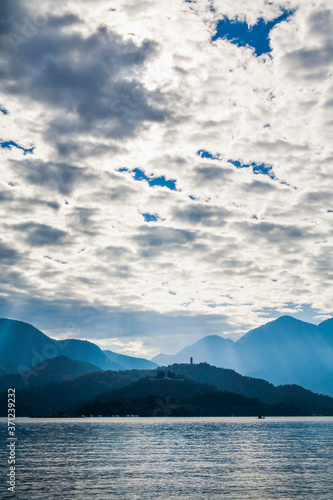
206, 154
12, 144
3, 110
257, 168
256, 36
150, 217
139, 175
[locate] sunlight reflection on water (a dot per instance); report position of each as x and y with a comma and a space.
172, 458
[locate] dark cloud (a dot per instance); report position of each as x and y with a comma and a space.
113, 253
53, 204
313, 64
313, 197
120, 194
7, 11
92, 81
259, 187
205, 214
8, 256
85, 219
62, 21
19, 204
209, 173
5, 196
320, 23
79, 149
154, 240
57, 177
274, 232
41, 234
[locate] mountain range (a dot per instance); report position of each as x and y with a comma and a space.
283, 351
23, 346
178, 395
59, 369
183, 389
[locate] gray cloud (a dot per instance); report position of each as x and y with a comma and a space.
276, 233
62, 21
56, 177
41, 234
258, 186
311, 64
114, 253
209, 173
85, 219
8, 256
202, 214
5, 196
154, 240
92, 79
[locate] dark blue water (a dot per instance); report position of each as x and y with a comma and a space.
172, 458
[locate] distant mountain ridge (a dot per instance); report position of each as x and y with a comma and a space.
213, 349
129, 362
179, 395
283, 351
22, 346
59, 369
198, 389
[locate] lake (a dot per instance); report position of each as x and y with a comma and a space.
171, 458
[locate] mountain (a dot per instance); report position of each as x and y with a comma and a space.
231, 381
58, 397
177, 395
6, 366
210, 404
227, 380
213, 349
22, 346
177, 383
58, 369
129, 362
164, 359
177, 387
283, 351
326, 331
289, 351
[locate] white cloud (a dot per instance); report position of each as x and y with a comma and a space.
96, 90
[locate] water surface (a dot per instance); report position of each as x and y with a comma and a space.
172, 458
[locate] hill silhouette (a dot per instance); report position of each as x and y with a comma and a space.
23, 346
58, 369
180, 396
283, 351
183, 382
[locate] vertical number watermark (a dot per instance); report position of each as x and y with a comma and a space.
11, 441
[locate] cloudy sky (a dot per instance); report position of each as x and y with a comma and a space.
166, 169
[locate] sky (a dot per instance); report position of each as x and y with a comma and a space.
166, 171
